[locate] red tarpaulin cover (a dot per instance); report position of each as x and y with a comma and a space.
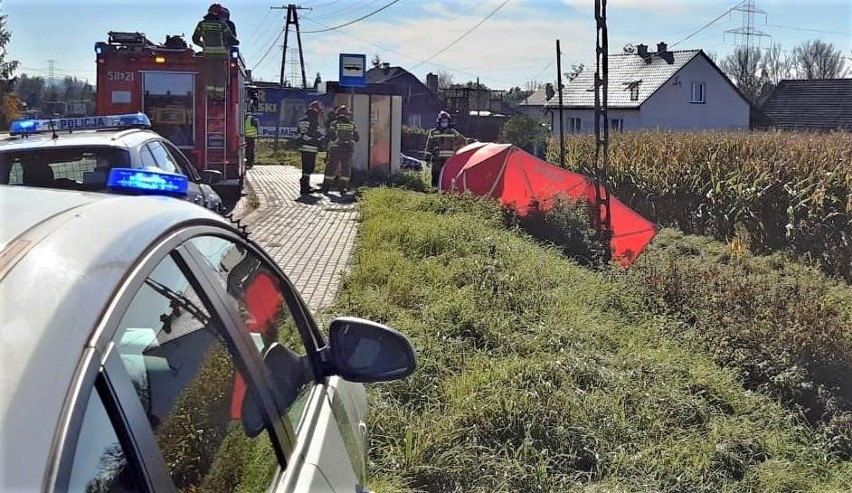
525, 183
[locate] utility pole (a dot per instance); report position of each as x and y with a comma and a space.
601, 216
292, 19
561, 119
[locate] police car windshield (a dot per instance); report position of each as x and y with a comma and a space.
74, 168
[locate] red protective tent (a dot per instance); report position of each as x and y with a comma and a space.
525, 183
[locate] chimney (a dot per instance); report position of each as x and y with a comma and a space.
385, 67
664, 53
642, 51
432, 82
548, 91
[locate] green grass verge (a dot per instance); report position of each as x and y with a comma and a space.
267, 155
536, 374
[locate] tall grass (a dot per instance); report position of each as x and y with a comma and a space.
780, 191
536, 374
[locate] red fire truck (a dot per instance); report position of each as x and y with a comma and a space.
166, 83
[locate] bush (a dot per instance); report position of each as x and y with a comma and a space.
413, 138
525, 132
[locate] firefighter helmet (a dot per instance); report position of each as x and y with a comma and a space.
315, 106
215, 9
444, 114
342, 110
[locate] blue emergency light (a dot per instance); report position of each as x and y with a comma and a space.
147, 182
24, 127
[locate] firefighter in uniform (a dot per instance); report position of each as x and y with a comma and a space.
309, 143
342, 135
251, 125
442, 143
215, 38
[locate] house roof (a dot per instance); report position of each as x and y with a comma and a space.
814, 104
537, 98
625, 70
401, 78
382, 74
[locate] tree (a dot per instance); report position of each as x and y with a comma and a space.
819, 60
777, 65
445, 79
576, 70
31, 90
10, 105
525, 132
376, 61
515, 95
744, 67
629, 49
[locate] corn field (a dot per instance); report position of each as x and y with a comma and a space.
778, 191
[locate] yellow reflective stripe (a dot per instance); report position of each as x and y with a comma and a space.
443, 153
309, 148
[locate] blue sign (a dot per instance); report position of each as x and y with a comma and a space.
353, 70
280, 109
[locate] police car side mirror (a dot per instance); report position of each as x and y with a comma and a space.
364, 351
211, 176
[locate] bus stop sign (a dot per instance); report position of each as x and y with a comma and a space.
353, 70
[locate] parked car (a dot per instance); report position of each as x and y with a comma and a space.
149, 345
78, 154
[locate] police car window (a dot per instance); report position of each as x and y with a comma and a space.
147, 158
258, 295
100, 461
182, 162
162, 157
83, 168
188, 379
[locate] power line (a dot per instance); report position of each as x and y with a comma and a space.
356, 20
450, 69
268, 50
464, 35
345, 11
705, 26
260, 27
842, 33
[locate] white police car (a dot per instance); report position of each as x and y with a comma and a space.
148, 345
80, 153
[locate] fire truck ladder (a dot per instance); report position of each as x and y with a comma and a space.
216, 124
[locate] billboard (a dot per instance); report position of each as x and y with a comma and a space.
280, 109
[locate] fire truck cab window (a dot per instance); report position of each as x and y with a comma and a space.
169, 103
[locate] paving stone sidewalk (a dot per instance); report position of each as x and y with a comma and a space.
311, 237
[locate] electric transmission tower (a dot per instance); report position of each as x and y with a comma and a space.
744, 36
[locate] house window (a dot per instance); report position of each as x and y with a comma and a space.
415, 120
616, 124
574, 125
698, 95
634, 92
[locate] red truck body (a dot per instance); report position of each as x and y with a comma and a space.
166, 82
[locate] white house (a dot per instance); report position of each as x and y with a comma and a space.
670, 90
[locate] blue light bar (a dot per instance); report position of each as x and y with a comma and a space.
147, 182
23, 127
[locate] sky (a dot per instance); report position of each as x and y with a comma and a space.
513, 47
